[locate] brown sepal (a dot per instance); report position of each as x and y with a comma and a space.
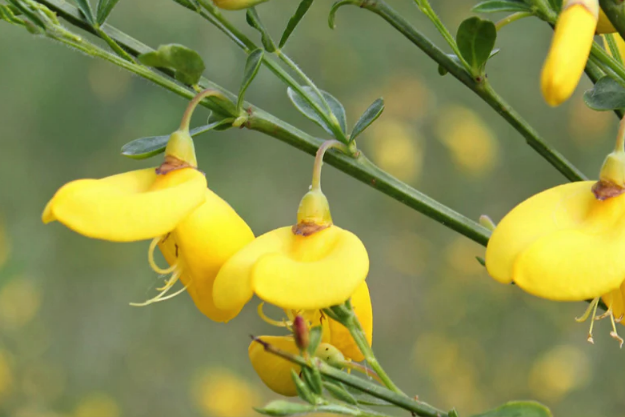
605, 189
308, 228
171, 164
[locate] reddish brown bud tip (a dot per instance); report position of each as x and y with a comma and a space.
301, 333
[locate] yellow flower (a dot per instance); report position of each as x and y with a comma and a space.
572, 41
195, 229
337, 347
566, 243
309, 266
199, 245
236, 4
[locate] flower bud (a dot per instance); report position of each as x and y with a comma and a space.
604, 25
331, 355
572, 41
301, 333
236, 4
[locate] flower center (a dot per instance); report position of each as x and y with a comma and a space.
176, 270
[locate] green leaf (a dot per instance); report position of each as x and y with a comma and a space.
104, 9
85, 8
294, 21
315, 337
312, 377
518, 409
302, 388
302, 105
476, 39
279, 408
494, 6
607, 94
186, 63
253, 20
252, 65
339, 392
369, 116
144, 148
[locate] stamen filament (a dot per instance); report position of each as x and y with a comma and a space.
161, 296
592, 322
591, 306
267, 319
156, 268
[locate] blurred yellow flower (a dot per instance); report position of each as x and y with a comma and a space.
471, 142
97, 404
337, 344
460, 254
574, 34
20, 300
559, 371
219, 392
397, 148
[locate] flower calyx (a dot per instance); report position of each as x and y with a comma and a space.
612, 178
313, 214
180, 153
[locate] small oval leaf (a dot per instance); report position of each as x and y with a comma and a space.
495, 6
307, 110
147, 147
280, 408
252, 65
369, 116
607, 94
476, 40
518, 409
185, 62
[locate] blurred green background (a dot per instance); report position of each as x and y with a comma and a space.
70, 345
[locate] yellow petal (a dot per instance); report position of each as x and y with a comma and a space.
554, 209
273, 370
572, 40
127, 207
604, 25
233, 285
616, 300
205, 240
581, 261
340, 336
312, 272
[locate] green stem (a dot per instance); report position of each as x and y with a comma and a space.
608, 63
615, 11
426, 8
478, 86
419, 408
214, 16
316, 177
358, 334
360, 168
512, 18
113, 45
188, 113
611, 44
